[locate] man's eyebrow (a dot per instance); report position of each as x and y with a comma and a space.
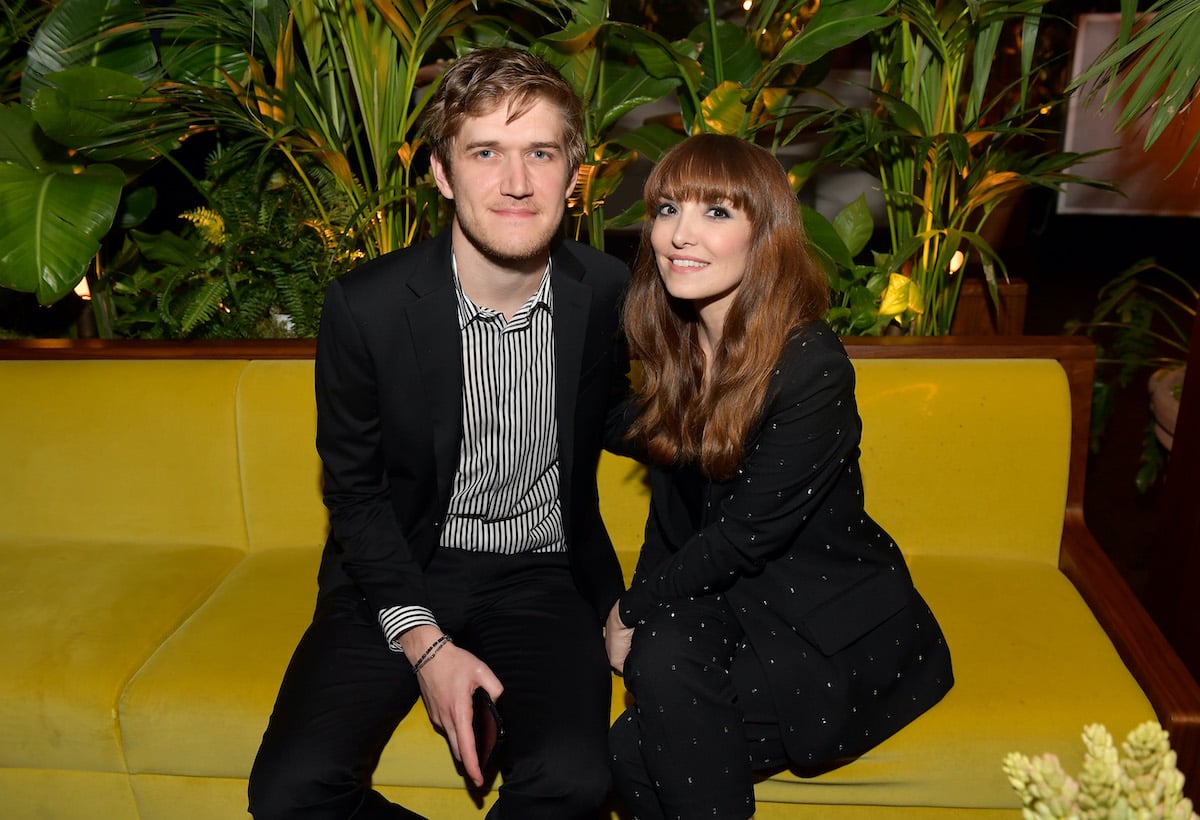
475, 145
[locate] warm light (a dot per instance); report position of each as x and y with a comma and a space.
956, 262
747, 4
82, 290
1044, 110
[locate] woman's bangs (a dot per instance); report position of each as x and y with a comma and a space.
695, 177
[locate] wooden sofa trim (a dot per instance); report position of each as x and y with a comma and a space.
1169, 686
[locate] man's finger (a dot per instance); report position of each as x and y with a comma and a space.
467, 755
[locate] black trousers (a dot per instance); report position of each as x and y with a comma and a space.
345, 692
702, 722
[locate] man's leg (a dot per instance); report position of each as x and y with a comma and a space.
544, 642
342, 696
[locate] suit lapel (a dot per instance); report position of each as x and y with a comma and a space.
572, 300
437, 345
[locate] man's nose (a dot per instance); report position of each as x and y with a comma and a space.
515, 181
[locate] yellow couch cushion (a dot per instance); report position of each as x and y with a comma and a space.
78, 623
54, 794
228, 660
1032, 668
144, 451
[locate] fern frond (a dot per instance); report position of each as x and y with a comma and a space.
202, 305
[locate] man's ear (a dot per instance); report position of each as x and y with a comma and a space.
574, 178
441, 176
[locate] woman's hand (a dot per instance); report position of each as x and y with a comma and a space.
617, 639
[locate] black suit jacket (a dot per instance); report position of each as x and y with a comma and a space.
849, 649
389, 388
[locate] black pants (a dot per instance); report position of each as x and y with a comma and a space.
345, 692
702, 722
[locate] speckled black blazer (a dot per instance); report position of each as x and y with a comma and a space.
851, 650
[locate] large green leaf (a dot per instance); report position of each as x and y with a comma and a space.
835, 24
723, 109
51, 223
855, 224
825, 241
108, 113
733, 57
631, 89
81, 32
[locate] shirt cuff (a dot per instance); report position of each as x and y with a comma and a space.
399, 619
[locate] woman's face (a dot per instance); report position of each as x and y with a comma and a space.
701, 250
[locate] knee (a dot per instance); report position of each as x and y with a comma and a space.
284, 787
271, 791
625, 756
571, 779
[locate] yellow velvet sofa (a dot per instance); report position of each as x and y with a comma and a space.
160, 525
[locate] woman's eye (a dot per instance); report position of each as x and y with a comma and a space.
718, 211
665, 209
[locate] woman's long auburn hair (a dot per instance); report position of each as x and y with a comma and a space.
682, 418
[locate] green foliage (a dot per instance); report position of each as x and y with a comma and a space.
614, 67
1142, 322
255, 263
855, 288
750, 75
1151, 67
950, 138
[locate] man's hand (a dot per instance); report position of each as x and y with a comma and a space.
447, 682
617, 639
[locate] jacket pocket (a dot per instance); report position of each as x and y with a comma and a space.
842, 620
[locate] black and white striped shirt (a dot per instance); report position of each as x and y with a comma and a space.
505, 498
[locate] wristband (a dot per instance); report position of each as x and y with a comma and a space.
429, 653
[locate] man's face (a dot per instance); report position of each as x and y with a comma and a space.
509, 182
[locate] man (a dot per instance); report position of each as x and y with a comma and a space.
464, 388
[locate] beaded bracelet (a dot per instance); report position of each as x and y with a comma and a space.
429, 653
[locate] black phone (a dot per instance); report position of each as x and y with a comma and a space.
488, 727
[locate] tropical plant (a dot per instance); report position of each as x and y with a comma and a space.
253, 262
334, 81
856, 288
1151, 67
58, 198
1141, 323
950, 139
18, 20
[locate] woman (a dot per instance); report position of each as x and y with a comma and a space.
770, 622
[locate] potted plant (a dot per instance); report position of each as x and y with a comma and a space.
1146, 312
1141, 325
951, 137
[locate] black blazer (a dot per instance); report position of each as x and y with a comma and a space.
389, 388
850, 650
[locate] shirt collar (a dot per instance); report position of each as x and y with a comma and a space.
468, 311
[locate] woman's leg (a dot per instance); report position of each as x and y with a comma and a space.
681, 753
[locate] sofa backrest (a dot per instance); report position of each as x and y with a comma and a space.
280, 470
960, 456
967, 457
119, 452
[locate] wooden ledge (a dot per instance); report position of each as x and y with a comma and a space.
139, 349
